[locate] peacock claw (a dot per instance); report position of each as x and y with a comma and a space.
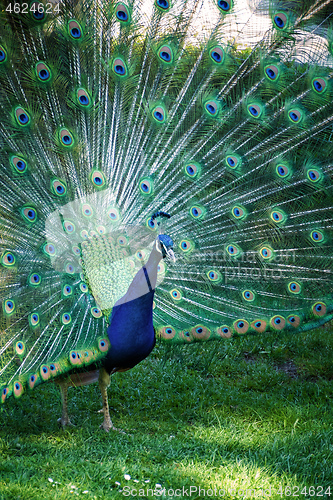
65, 423
108, 426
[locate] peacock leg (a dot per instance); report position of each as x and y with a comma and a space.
63, 386
104, 382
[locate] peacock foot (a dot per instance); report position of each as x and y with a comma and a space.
65, 422
108, 426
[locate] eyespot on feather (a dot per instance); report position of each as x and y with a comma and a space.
197, 212
217, 55
75, 30
278, 216
45, 372
8, 259
66, 319
123, 13
278, 322
151, 224
159, 114
37, 11
104, 344
283, 171
146, 187
211, 108
9, 307
22, 117
5, 393
66, 138
233, 250
67, 291
280, 20
17, 388
255, 110
19, 165
119, 67
225, 6
87, 211
49, 249
114, 214
319, 85
58, 187
163, 5
34, 279
248, 295
98, 179
239, 213
43, 72
225, 332
167, 332
34, 319
176, 294
96, 312
33, 380
200, 332
29, 214
186, 245
69, 226
314, 174
192, 170
165, 54
319, 309
75, 358
69, 268
241, 326
272, 72
83, 98
295, 115
294, 287
294, 320
20, 348
259, 325
122, 241
233, 161
214, 276
186, 336
266, 253
3, 54
317, 236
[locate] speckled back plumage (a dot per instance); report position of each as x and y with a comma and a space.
110, 113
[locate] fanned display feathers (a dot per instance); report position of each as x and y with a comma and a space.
123, 120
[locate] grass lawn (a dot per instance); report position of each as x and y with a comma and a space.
254, 414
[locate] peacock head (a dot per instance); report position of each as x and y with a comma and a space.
166, 247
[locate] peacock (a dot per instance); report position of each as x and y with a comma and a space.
166, 172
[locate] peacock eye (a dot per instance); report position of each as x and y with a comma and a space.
272, 72
280, 20
162, 4
75, 30
3, 55
22, 117
255, 110
295, 115
224, 5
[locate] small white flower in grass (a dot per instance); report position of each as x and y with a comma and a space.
136, 480
158, 485
84, 492
117, 483
127, 477
147, 481
50, 479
